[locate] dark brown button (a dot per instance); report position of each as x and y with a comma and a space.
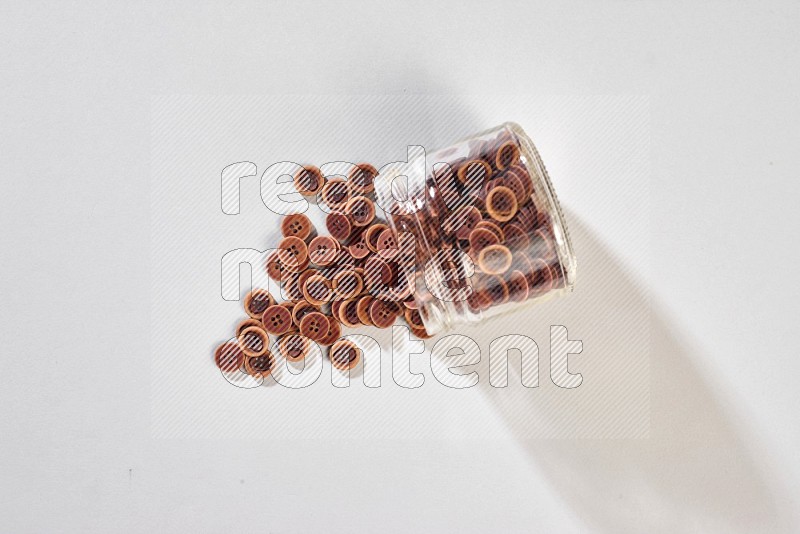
334, 332
322, 250
317, 290
362, 178
293, 254
371, 235
314, 326
297, 225
347, 284
344, 354
348, 313
361, 210
253, 341
308, 181
256, 301
507, 155
277, 320
247, 323
480, 238
501, 203
494, 259
294, 347
335, 193
517, 286
474, 172
338, 225
259, 366
383, 314
301, 309
362, 310
228, 357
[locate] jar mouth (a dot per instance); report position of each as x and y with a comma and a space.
564, 249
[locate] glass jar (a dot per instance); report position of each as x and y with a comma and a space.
487, 231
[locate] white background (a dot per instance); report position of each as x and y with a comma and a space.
76, 434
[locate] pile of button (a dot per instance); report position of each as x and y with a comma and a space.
352, 277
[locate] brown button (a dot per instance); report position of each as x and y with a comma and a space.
338, 225
543, 279
377, 273
521, 172
253, 341
371, 235
494, 259
462, 221
301, 309
507, 155
347, 284
247, 323
277, 320
387, 243
308, 181
527, 216
492, 226
335, 193
314, 325
294, 347
480, 299
362, 178
362, 310
480, 238
293, 253
421, 333
542, 247
515, 184
413, 318
348, 313
516, 237
256, 301
317, 290
228, 357
297, 225
344, 354
334, 332
495, 287
383, 314
359, 249
275, 269
501, 203
322, 250
517, 286
474, 172
361, 210
259, 366
292, 289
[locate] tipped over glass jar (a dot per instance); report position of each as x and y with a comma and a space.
479, 229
